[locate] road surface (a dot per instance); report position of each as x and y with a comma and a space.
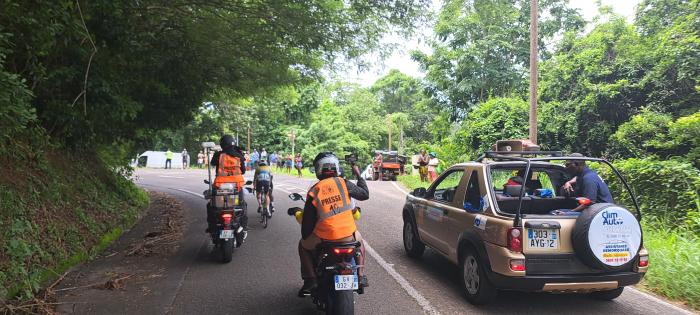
263, 277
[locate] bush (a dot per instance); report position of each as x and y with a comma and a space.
495, 119
668, 190
674, 266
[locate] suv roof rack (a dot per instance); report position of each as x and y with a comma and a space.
506, 155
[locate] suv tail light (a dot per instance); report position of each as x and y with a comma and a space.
515, 239
643, 261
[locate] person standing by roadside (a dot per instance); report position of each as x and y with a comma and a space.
288, 163
273, 160
423, 161
432, 166
298, 164
254, 158
185, 159
200, 159
247, 160
263, 156
168, 159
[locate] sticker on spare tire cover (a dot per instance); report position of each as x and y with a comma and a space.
614, 236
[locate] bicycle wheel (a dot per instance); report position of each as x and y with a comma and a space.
263, 213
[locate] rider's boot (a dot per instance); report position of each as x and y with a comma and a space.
309, 284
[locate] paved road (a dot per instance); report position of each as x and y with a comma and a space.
264, 275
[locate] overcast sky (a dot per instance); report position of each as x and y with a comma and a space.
402, 61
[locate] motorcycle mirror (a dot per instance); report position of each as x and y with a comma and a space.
208, 145
295, 196
250, 182
206, 182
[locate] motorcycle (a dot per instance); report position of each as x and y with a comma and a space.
336, 272
226, 200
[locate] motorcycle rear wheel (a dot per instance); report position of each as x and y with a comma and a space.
226, 251
341, 303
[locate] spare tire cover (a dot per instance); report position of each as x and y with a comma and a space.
607, 237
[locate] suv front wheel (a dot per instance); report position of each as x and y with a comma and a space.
411, 243
475, 282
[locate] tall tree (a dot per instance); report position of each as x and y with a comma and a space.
481, 49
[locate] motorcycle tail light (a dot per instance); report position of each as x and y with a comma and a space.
339, 251
227, 218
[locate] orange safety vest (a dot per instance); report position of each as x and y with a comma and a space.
229, 171
332, 201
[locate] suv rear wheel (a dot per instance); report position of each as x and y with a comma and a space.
475, 282
607, 295
411, 243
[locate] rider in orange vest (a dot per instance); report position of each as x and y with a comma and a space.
230, 167
328, 215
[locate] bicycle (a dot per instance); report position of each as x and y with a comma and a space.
265, 214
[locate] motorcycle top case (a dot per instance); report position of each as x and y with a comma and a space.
225, 201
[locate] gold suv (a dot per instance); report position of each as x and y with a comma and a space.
510, 234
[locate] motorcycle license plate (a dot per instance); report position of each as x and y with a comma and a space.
346, 282
226, 234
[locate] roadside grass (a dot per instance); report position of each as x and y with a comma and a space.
411, 182
674, 264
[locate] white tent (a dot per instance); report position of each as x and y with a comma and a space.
156, 159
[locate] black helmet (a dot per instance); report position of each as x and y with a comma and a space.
326, 165
227, 141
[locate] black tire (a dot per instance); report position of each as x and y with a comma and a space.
607, 295
226, 251
341, 303
411, 243
581, 244
475, 282
375, 176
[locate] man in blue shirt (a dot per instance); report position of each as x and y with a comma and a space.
588, 183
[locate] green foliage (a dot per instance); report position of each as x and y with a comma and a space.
69, 206
674, 265
482, 49
640, 135
668, 190
656, 134
495, 119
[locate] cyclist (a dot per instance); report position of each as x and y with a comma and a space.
327, 215
262, 181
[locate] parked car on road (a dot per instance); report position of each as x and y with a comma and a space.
504, 237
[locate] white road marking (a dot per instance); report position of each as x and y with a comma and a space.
657, 300
399, 188
422, 301
189, 192
166, 176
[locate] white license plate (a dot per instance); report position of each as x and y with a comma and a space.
226, 234
346, 282
542, 239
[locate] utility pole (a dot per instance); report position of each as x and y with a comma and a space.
533, 71
248, 137
292, 137
388, 117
